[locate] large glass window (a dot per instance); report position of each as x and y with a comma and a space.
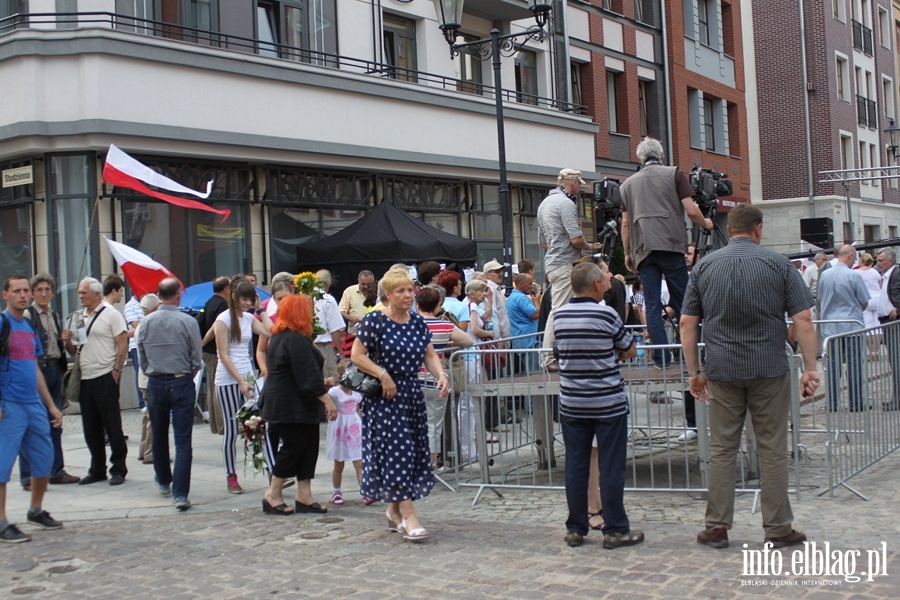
16, 244
74, 239
139, 11
469, 70
530, 198
400, 47
487, 224
195, 245
67, 6
438, 203
202, 15
709, 124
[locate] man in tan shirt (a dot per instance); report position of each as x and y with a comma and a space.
103, 345
352, 307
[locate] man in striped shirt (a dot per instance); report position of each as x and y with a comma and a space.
741, 293
591, 339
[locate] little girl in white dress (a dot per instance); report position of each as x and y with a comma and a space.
343, 441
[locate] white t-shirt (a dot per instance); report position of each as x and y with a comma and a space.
238, 352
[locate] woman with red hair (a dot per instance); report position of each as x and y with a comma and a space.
293, 400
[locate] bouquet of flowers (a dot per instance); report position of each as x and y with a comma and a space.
307, 283
252, 429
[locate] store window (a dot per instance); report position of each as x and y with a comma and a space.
195, 245
487, 223
16, 197
74, 240
438, 203
530, 198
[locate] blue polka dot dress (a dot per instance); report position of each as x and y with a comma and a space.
395, 450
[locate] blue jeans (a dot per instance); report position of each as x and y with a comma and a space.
176, 394
847, 350
133, 353
612, 445
53, 379
651, 271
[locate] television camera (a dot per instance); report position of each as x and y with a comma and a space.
608, 208
708, 186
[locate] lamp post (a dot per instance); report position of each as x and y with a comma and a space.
449, 13
893, 132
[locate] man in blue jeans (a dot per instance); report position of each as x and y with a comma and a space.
591, 339
169, 351
654, 236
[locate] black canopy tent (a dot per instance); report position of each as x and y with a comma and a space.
385, 236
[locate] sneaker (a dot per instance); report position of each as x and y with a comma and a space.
617, 540
233, 486
43, 519
182, 503
688, 436
337, 498
574, 539
717, 538
13, 535
794, 538
164, 490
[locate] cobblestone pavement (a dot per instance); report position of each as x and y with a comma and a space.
130, 542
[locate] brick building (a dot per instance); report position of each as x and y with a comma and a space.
850, 87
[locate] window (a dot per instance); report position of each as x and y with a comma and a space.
487, 224
67, 6
612, 103
873, 160
842, 74
196, 14
642, 103
72, 187
897, 35
887, 96
892, 231
863, 158
694, 118
293, 225
529, 199
884, 28
400, 47
709, 125
889, 160
846, 151
643, 11
839, 10
469, 71
139, 10
526, 77
577, 93
703, 18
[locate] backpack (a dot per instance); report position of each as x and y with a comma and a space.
4, 335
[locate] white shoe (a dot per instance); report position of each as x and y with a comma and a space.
687, 436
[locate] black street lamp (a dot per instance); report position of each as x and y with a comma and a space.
449, 13
894, 133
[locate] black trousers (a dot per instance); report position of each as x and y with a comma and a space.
100, 412
299, 450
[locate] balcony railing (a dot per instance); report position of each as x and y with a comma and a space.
862, 38
229, 42
866, 112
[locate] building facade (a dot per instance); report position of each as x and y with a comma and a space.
824, 99
304, 113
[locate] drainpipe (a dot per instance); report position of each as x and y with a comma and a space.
809, 163
665, 49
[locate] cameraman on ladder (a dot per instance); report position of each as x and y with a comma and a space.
654, 236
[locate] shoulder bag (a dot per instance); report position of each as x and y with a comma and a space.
355, 379
71, 382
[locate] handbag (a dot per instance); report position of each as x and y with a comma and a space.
355, 379
494, 362
71, 381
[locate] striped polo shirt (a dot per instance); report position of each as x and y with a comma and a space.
588, 337
440, 339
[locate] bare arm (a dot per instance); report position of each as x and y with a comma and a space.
626, 242
582, 244
460, 338
694, 214
806, 335
261, 356
360, 357
121, 354
55, 416
690, 327
433, 365
225, 359
478, 331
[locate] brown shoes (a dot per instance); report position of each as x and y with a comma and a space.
65, 478
717, 538
794, 538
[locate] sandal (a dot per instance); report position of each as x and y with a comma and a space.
394, 526
414, 535
492, 439
282, 509
315, 507
597, 515
369, 501
337, 498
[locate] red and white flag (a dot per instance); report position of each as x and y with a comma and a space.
142, 272
124, 171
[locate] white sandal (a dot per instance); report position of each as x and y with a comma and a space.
413, 535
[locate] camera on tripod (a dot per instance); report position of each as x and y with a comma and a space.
607, 197
708, 187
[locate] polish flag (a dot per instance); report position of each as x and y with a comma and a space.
124, 171
142, 272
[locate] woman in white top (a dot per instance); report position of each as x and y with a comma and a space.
233, 330
872, 278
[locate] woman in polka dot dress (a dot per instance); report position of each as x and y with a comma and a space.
396, 460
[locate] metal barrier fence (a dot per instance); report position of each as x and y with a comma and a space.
862, 379
668, 443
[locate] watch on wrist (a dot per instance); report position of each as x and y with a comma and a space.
698, 372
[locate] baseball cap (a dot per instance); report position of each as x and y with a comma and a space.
569, 174
491, 265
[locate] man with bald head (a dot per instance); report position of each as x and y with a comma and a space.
843, 297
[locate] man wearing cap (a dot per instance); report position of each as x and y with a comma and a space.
493, 273
654, 202
560, 235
